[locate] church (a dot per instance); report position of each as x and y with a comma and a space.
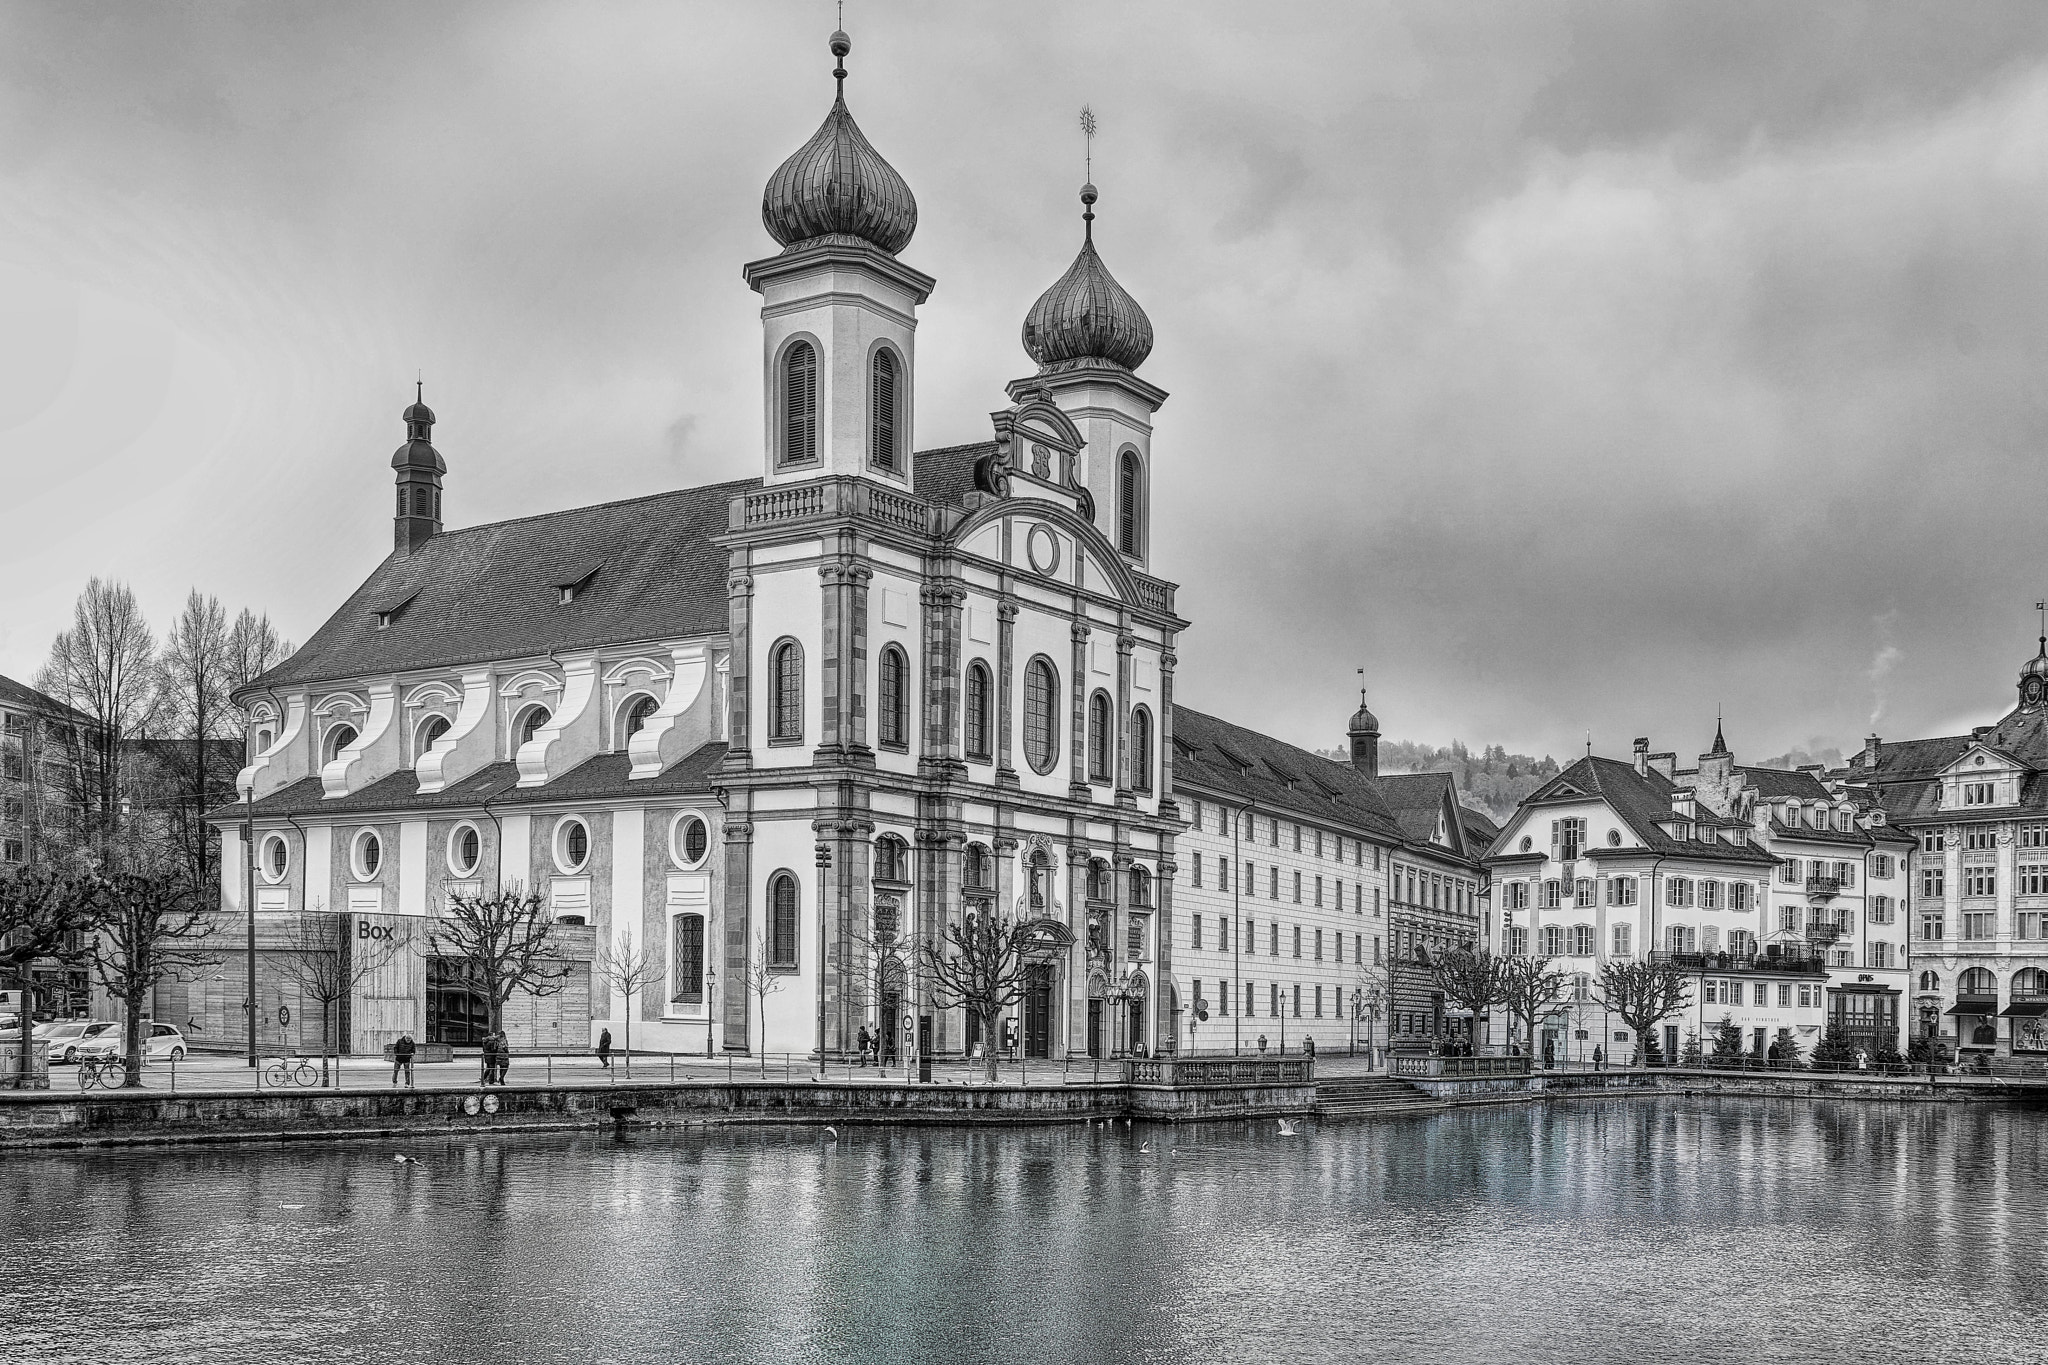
774, 732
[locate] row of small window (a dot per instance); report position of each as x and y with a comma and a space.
1305, 838
1249, 942
1978, 837
1799, 871
2029, 879
2030, 983
1219, 872
1803, 995
1983, 924
633, 715
1434, 890
1278, 999
1679, 893
1980, 793
689, 841
1040, 714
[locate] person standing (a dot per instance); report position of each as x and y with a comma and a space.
502, 1051
1599, 1058
401, 1059
604, 1049
861, 1040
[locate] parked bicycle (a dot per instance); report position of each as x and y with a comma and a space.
284, 1071
106, 1072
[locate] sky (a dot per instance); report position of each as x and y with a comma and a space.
1568, 368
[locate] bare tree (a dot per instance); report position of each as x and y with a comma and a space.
1532, 990
151, 929
979, 963
193, 708
253, 649
327, 967
630, 970
1644, 994
105, 667
504, 943
760, 980
44, 913
1470, 978
1371, 999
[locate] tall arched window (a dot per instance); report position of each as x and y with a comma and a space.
892, 860
528, 725
1098, 738
1130, 492
892, 701
782, 926
687, 973
339, 738
636, 717
976, 872
882, 409
1041, 714
1978, 983
430, 730
800, 403
1141, 750
977, 725
786, 691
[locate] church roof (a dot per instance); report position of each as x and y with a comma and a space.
944, 477
838, 185
493, 592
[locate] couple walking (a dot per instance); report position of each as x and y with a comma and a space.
497, 1056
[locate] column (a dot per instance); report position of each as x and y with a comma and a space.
855, 673
1166, 1029
1120, 760
1077, 728
1167, 805
941, 630
739, 717
732, 980
831, 667
1006, 668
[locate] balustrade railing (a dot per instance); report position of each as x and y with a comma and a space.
1461, 1068
1219, 1071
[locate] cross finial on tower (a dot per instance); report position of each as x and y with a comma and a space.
2042, 607
1088, 173
841, 45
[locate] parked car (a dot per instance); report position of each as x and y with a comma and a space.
68, 1040
160, 1040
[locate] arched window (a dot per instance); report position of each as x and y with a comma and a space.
687, 971
892, 859
782, 926
1141, 750
977, 724
1041, 714
430, 730
637, 715
339, 738
799, 403
1098, 738
1930, 981
530, 722
1129, 492
892, 700
1978, 982
882, 409
977, 872
2030, 984
1141, 892
1098, 881
786, 691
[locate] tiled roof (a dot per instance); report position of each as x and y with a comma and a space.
1908, 759
22, 697
1417, 800
1642, 800
492, 592
1217, 756
599, 778
946, 475
1480, 829
1852, 838
1779, 783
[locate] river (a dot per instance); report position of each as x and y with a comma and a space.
1626, 1230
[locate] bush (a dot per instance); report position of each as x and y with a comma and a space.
1834, 1048
1928, 1049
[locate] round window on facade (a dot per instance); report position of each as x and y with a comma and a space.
1614, 838
465, 850
276, 859
1527, 843
367, 855
572, 845
689, 840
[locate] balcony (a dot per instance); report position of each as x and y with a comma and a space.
1823, 888
1776, 960
1823, 933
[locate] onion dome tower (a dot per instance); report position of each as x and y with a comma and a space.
838, 310
420, 468
1365, 738
1088, 337
2034, 678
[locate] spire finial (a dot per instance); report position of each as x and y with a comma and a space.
1589, 744
841, 45
1088, 178
419, 386
2042, 607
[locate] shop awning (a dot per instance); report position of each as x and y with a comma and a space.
2024, 1009
1986, 1007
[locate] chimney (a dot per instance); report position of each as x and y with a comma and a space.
1872, 748
1666, 764
1642, 753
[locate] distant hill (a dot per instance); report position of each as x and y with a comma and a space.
1492, 780
1800, 758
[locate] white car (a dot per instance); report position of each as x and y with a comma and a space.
68, 1041
159, 1040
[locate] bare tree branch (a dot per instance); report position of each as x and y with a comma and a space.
979, 963
43, 914
505, 943
1532, 990
1644, 994
150, 930
630, 970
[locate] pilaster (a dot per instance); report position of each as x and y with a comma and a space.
1006, 668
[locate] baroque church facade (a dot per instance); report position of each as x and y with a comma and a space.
770, 732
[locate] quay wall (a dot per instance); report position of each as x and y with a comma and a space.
1759, 1084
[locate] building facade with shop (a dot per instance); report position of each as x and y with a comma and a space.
779, 731
1975, 807
1437, 899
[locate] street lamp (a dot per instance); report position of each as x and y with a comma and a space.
710, 1003
249, 902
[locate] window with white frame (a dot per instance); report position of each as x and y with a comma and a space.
1678, 892
1623, 935
1553, 940
1710, 895
1582, 940
1977, 793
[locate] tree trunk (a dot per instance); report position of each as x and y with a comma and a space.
28, 1030
991, 1043
132, 1036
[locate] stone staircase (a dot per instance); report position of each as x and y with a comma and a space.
1349, 1097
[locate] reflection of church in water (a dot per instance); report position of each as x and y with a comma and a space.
774, 729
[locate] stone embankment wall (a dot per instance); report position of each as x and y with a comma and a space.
1781, 1085
46, 1119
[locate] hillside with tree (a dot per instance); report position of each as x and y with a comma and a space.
1491, 780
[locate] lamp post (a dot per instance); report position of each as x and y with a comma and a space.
824, 865
710, 1003
249, 902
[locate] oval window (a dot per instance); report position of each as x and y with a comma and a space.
277, 857
465, 850
572, 845
369, 854
689, 841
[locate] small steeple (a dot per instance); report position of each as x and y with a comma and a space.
420, 468
1364, 732
1720, 749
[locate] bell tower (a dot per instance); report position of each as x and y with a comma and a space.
838, 310
420, 468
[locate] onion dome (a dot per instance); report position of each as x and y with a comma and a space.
2037, 667
1087, 315
418, 451
1363, 721
838, 185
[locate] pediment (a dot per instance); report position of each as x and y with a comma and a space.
1983, 759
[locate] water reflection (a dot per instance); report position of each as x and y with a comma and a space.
1736, 1230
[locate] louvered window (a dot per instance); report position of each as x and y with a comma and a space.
1041, 719
882, 404
800, 403
894, 701
1128, 491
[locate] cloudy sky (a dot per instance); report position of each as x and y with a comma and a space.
1567, 367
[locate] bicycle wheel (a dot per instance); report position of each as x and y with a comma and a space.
305, 1075
88, 1075
274, 1074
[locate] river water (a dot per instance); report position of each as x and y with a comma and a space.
1629, 1230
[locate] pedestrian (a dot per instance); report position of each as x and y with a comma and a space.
861, 1040
604, 1049
401, 1059
1599, 1058
1862, 1060
486, 1063
503, 1052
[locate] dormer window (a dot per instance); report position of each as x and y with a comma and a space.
384, 619
575, 581
1977, 793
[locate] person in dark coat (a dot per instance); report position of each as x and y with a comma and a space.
401, 1059
503, 1053
604, 1049
863, 1041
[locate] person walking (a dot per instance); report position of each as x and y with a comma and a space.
1599, 1058
502, 1051
862, 1041
604, 1049
401, 1059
